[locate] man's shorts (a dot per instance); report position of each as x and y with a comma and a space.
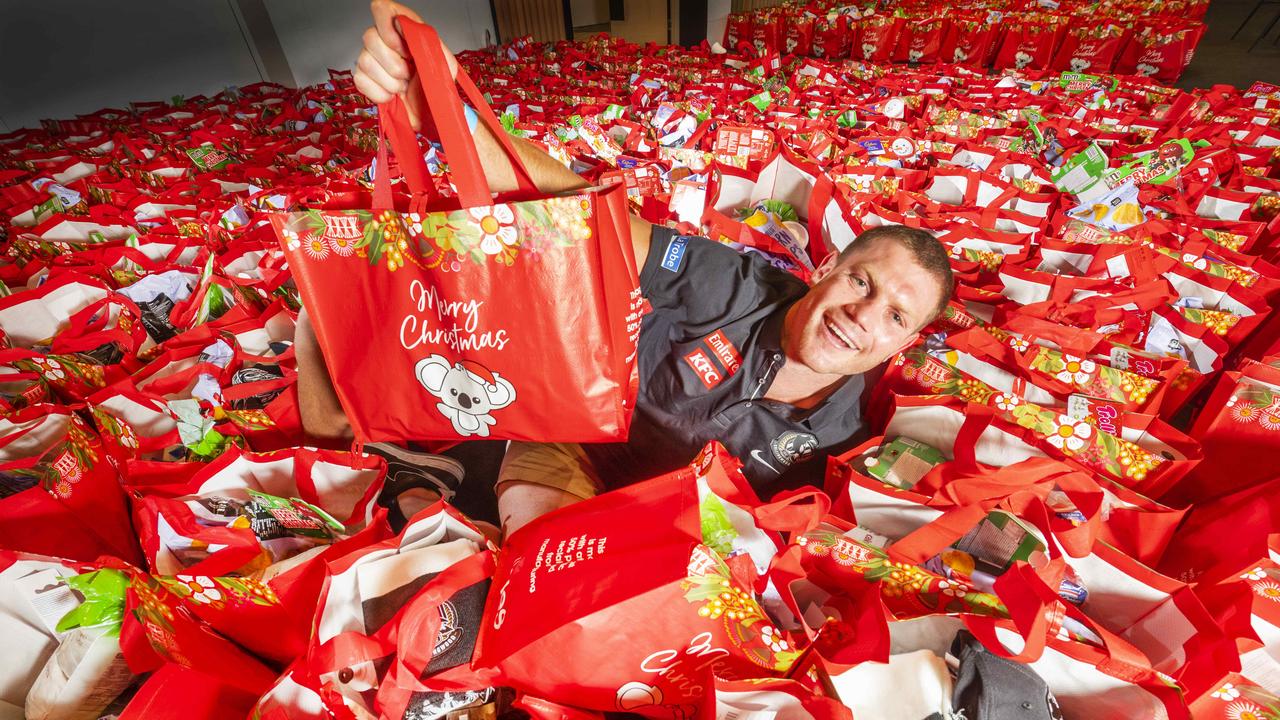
563, 466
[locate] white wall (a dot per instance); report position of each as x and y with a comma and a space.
717, 19
59, 58
320, 34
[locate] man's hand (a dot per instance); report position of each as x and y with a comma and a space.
384, 68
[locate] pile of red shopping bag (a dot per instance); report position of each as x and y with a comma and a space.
1070, 475
1152, 39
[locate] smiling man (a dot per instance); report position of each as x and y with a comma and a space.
733, 350
738, 351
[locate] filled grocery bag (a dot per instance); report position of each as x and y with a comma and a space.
379, 605
667, 568
435, 302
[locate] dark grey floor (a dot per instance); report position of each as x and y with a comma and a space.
1221, 60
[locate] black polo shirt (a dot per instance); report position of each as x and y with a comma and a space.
708, 352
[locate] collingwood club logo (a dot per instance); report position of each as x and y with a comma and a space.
791, 447
450, 630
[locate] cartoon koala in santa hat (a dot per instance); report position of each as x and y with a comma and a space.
468, 392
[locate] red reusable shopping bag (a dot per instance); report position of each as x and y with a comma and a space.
645, 567
470, 316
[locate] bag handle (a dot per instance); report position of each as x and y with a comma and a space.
797, 511
393, 128
86, 329
445, 110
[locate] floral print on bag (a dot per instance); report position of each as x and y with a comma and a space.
909, 591
1093, 379
1219, 321
1079, 440
442, 240
219, 592
1253, 403
711, 587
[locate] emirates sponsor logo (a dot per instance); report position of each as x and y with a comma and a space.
725, 351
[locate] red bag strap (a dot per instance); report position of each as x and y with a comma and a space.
822, 195
797, 511
447, 115
86, 329
393, 127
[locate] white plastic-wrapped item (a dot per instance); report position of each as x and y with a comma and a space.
81, 678
32, 600
82, 613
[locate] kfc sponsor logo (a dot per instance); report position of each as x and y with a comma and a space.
704, 368
725, 351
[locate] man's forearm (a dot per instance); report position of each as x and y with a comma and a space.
318, 405
547, 174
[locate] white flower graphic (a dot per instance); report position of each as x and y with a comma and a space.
1226, 693
1070, 434
1254, 574
771, 637
953, 589
1196, 261
127, 439
203, 590
1243, 710
341, 246
315, 247
1268, 589
1019, 344
497, 227
1006, 403
1077, 370
291, 241
51, 369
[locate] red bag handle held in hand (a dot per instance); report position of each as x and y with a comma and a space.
445, 109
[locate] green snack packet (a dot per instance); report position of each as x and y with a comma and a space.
273, 517
903, 462
1074, 82
1000, 540
1159, 166
761, 101
1081, 172
207, 157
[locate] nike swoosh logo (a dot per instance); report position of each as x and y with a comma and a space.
755, 454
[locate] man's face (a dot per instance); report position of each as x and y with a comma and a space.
860, 311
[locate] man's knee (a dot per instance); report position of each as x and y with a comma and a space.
519, 502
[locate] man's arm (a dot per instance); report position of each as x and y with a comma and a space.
384, 71
322, 414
